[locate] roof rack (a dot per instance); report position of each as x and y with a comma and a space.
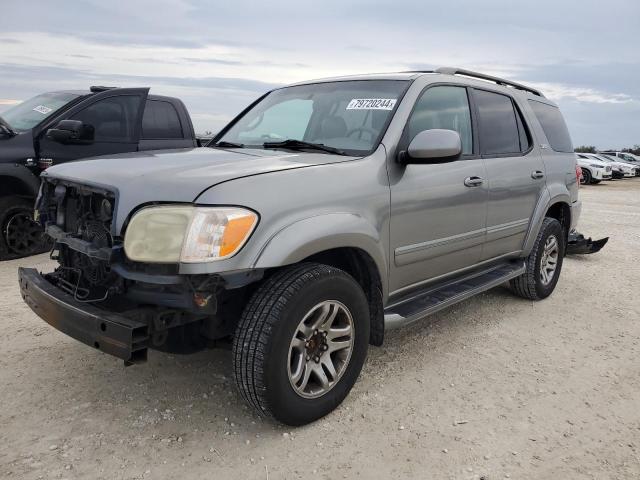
490, 78
99, 88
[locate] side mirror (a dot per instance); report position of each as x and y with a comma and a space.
432, 146
72, 131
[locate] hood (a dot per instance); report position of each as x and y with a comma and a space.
585, 162
177, 175
17, 148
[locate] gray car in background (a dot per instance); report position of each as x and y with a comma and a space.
325, 214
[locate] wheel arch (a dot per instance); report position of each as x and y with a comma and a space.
345, 241
558, 207
18, 180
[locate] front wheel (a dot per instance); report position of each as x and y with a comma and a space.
301, 343
586, 177
20, 235
544, 263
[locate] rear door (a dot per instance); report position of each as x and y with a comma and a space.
515, 171
438, 210
116, 117
162, 127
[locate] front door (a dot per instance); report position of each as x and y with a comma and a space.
438, 210
116, 117
515, 172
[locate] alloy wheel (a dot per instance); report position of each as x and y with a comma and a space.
549, 260
320, 349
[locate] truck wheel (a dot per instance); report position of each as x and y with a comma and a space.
301, 343
543, 263
20, 236
586, 177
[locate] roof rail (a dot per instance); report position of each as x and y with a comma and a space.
99, 88
490, 78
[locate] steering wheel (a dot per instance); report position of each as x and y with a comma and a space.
368, 130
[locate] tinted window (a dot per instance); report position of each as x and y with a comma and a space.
113, 118
499, 132
160, 120
553, 125
443, 107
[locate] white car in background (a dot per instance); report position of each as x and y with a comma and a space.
626, 170
625, 157
593, 170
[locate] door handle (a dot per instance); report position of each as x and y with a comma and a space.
473, 181
537, 174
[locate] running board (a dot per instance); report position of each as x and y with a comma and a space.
429, 301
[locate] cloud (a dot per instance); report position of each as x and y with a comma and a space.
560, 92
220, 58
216, 61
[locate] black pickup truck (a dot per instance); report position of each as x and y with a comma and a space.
57, 127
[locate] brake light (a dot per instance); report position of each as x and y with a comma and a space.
578, 175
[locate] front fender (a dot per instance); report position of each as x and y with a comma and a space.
27, 183
323, 232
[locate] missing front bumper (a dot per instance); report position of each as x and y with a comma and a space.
579, 245
108, 332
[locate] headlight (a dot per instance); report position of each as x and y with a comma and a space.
184, 233
596, 166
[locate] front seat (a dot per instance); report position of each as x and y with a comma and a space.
333, 127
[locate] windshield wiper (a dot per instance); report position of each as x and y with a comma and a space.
225, 144
300, 144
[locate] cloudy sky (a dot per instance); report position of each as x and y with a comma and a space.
219, 56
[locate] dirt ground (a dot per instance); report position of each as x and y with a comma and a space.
496, 387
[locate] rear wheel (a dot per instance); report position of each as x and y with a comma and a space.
20, 235
544, 263
301, 343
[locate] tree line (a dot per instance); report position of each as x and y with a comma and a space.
635, 150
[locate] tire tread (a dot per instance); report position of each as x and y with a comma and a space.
525, 285
262, 312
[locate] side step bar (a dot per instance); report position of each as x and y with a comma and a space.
424, 303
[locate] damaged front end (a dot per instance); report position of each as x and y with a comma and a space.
99, 297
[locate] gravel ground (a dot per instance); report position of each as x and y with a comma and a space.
496, 387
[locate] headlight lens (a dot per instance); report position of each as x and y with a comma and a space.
177, 233
596, 166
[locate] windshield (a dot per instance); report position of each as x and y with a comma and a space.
30, 113
350, 116
629, 158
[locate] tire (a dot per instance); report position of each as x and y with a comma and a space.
263, 350
586, 177
531, 284
595, 182
19, 235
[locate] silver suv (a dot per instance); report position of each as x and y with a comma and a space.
325, 214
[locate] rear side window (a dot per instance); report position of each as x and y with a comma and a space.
160, 120
500, 124
114, 118
553, 125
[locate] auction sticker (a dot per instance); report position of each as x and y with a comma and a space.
371, 104
42, 109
